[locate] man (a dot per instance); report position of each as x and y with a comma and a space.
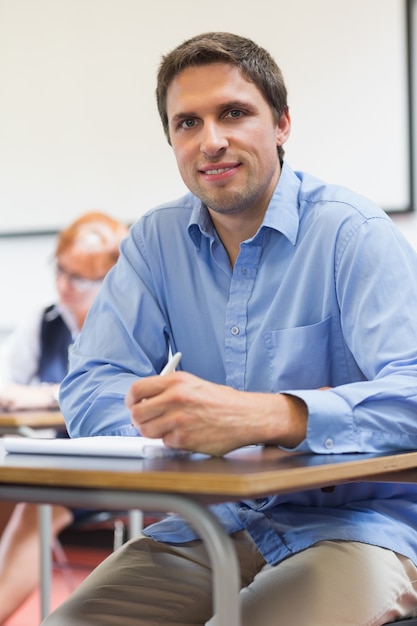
294, 304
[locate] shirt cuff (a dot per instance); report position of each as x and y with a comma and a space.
330, 425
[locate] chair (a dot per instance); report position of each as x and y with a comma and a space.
123, 524
115, 521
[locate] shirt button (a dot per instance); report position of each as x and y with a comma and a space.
234, 330
329, 443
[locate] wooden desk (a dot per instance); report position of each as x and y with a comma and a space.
187, 484
26, 422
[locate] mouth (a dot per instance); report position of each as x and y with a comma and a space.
219, 173
219, 170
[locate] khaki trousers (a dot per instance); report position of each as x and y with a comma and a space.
334, 583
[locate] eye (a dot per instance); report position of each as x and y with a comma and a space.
188, 123
234, 113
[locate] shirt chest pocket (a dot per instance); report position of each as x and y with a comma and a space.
303, 357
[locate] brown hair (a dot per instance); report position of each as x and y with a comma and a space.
254, 62
94, 234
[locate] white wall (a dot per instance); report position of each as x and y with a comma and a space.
26, 277
79, 128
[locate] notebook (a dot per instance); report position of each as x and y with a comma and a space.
111, 446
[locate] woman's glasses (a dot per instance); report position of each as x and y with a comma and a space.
78, 282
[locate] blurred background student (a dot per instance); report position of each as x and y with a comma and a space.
33, 362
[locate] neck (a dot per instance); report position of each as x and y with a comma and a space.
233, 230
79, 318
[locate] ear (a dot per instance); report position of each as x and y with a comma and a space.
283, 128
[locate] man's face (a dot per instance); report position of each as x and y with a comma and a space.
225, 138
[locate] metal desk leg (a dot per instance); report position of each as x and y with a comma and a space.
135, 523
226, 580
45, 532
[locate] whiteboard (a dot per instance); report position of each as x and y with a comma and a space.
79, 128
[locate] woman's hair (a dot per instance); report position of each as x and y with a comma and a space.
93, 234
255, 63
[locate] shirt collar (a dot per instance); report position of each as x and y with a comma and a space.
282, 213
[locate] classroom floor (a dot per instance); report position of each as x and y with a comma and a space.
81, 560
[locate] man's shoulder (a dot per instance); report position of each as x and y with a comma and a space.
181, 207
325, 198
166, 222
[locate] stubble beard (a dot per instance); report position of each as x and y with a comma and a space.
229, 202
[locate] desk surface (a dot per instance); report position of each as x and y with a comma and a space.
33, 419
176, 484
249, 472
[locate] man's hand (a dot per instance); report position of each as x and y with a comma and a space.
190, 413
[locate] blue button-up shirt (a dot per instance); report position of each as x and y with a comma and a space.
325, 294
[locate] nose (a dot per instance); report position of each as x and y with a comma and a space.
213, 139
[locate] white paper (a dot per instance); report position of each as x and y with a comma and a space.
111, 446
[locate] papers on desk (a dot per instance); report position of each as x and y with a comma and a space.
112, 446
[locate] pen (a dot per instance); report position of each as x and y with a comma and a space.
172, 364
